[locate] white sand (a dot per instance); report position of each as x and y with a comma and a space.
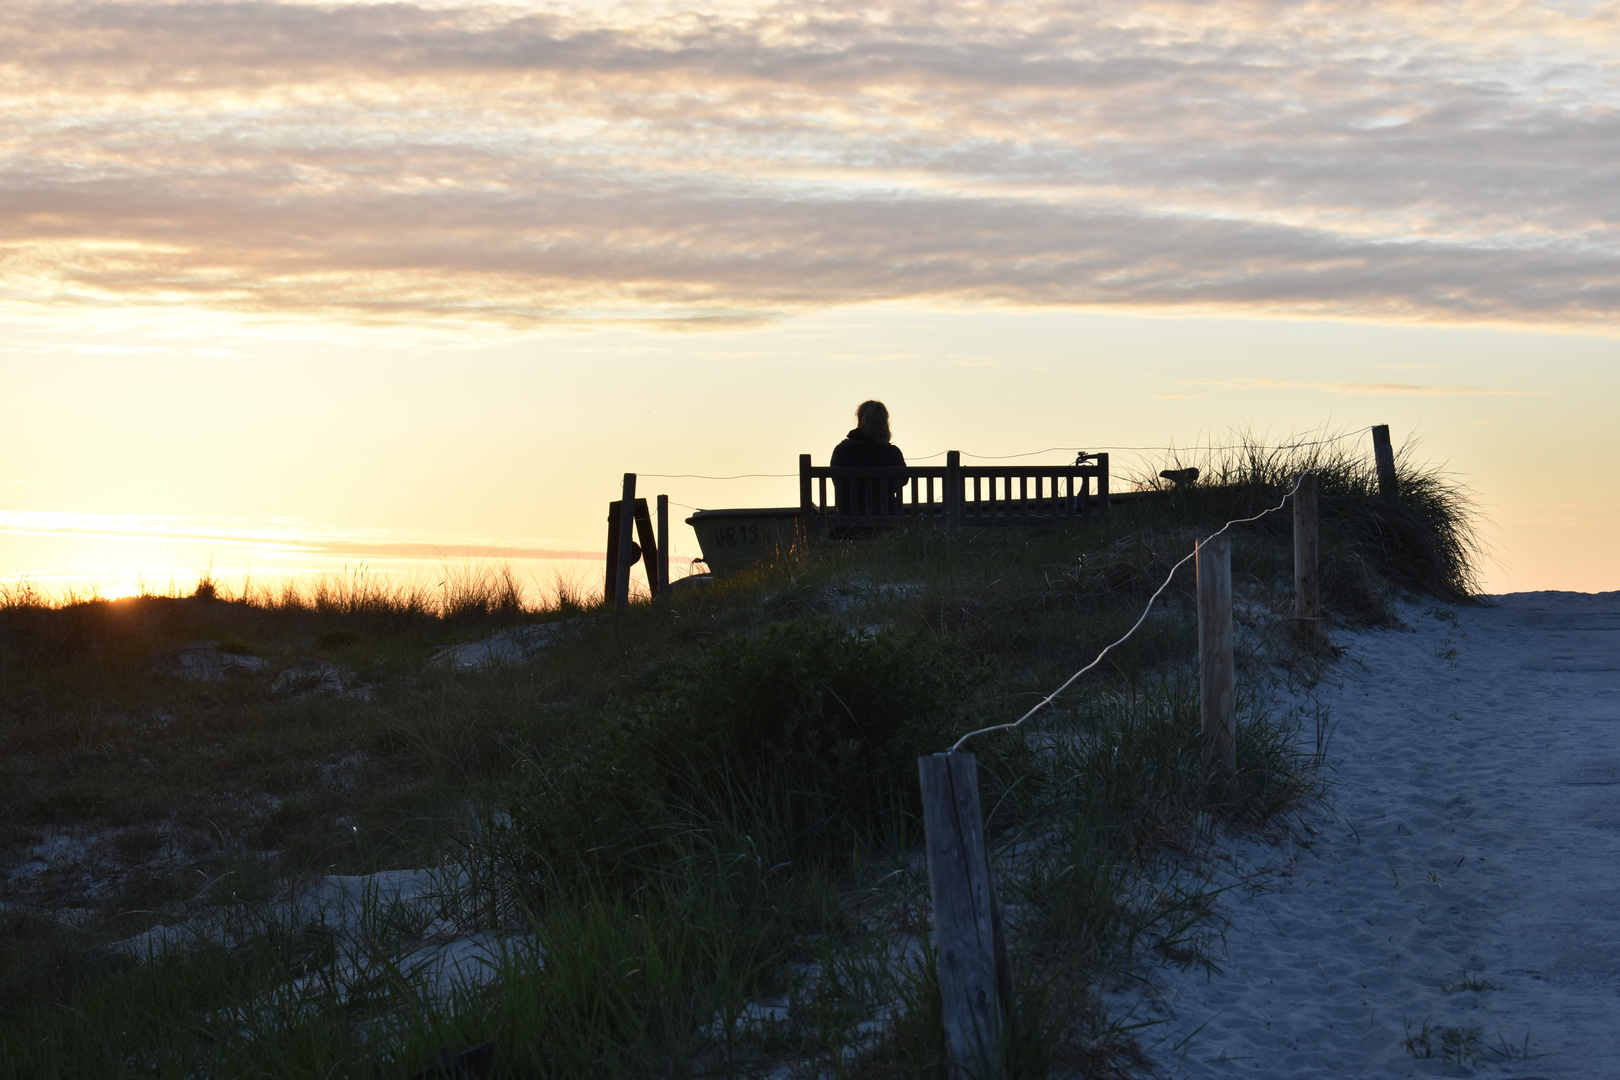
358, 909
1474, 825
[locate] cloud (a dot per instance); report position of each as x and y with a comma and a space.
466, 164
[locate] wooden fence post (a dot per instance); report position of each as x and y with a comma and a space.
1217, 710
1307, 582
663, 545
627, 511
807, 507
955, 494
1384, 455
970, 943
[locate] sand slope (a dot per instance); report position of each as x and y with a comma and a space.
1474, 826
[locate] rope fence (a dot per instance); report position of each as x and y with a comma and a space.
1159, 449
969, 930
700, 476
1072, 679
1302, 445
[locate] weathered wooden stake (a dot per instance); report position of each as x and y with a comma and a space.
1307, 583
663, 545
1216, 705
807, 508
611, 576
955, 492
970, 944
1384, 455
627, 510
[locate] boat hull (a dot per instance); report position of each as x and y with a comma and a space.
734, 540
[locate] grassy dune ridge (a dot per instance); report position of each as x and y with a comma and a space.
689, 832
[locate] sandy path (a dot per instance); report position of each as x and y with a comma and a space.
1474, 826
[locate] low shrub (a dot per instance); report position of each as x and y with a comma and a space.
800, 743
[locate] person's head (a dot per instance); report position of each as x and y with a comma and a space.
872, 418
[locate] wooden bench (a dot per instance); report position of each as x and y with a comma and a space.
952, 495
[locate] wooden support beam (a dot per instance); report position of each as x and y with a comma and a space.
1384, 455
663, 544
970, 943
955, 493
648, 540
1217, 709
1307, 580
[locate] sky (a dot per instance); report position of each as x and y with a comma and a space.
289, 288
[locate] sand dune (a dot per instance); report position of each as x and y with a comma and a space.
1465, 873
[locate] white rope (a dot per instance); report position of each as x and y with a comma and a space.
1049, 698
1162, 449
1035, 453
700, 476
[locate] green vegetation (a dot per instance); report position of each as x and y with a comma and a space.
1468, 984
687, 834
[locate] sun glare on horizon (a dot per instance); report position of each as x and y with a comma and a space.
294, 284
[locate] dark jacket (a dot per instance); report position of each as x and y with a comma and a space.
859, 452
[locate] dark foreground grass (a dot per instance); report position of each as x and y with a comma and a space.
689, 831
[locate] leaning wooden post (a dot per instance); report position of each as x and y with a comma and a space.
1216, 704
955, 493
1307, 585
648, 540
970, 944
1384, 455
663, 545
627, 511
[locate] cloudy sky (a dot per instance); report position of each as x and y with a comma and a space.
258, 186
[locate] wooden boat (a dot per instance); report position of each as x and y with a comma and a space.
735, 539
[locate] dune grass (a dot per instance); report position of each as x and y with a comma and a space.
692, 826
1424, 540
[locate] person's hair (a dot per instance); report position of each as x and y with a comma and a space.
872, 417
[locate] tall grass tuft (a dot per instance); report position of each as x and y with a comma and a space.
1423, 540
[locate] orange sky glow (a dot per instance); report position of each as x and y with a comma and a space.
291, 289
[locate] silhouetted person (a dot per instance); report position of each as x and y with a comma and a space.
867, 446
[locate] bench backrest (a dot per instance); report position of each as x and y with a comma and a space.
952, 495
